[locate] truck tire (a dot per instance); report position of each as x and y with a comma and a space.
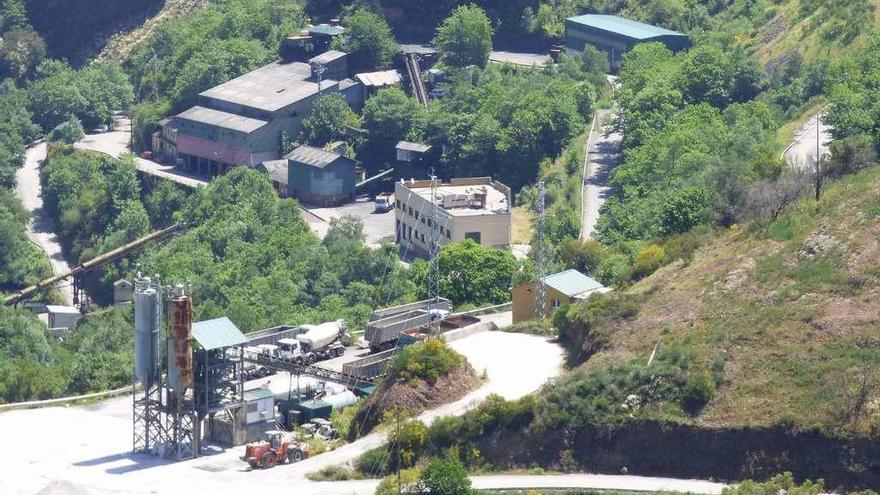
298, 361
340, 352
268, 460
310, 358
294, 455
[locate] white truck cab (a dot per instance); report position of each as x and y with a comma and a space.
291, 350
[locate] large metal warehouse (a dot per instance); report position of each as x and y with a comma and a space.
615, 35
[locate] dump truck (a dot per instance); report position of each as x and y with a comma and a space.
319, 342
383, 333
278, 447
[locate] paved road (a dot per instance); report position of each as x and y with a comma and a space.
559, 481
115, 144
41, 229
519, 58
802, 151
86, 449
378, 227
603, 154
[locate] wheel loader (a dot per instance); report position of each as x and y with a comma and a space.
275, 449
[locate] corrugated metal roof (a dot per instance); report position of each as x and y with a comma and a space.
314, 157
571, 282
271, 87
622, 26
327, 30
222, 119
277, 170
327, 57
379, 79
217, 333
410, 146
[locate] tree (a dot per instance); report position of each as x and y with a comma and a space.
594, 63
327, 121
768, 199
445, 477
583, 256
68, 132
389, 116
475, 274
705, 76
21, 49
369, 42
465, 37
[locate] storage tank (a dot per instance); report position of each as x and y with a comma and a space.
319, 336
338, 401
147, 325
180, 355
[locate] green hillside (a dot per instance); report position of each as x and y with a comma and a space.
776, 325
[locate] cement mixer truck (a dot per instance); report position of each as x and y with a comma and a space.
320, 342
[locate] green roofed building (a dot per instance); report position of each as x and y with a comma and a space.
615, 35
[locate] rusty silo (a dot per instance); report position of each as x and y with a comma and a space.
180, 354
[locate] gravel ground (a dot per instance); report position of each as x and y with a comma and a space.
85, 450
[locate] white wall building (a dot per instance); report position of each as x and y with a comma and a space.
474, 208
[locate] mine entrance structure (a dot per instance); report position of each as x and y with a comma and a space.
202, 373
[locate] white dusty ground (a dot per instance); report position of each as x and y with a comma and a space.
86, 450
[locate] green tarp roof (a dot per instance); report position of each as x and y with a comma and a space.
217, 333
622, 26
571, 282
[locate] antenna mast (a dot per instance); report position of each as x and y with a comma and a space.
540, 292
434, 274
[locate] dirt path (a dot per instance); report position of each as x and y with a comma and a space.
802, 151
41, 229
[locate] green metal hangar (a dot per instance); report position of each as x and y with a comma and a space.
615, 35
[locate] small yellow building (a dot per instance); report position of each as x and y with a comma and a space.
561, 288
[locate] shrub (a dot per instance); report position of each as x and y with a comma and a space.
647, 261
613, 270
698, 391
427, 360
584, 328
374, 462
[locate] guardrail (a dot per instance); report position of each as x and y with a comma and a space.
486, 310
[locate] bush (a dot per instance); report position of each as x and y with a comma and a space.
443, 477
427, 360
698, 391
409, 478
647, 261
613, 270
781, 483
374, 462
585, 327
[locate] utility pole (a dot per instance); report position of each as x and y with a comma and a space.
540, 292
434, 275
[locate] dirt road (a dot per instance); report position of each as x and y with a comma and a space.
41, 229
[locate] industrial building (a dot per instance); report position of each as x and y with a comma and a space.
314, 176
241, 122
560, 288
616, 35
474, 208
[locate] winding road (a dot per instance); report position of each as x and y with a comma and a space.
41, 229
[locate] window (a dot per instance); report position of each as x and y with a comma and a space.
252, 407
430, 223
397, 204
449, 234
475, 236
441, 230
417, 217
554, 303
410, 211
409, 232
423, 220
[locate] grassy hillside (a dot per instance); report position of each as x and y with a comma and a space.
785, 320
